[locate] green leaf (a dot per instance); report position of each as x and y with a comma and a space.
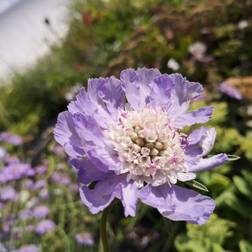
220, 180
197, 185
243, 186
245, 246
238, 205
51, 167
208, 237
247, 176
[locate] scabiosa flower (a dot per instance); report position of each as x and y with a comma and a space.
42, 183
8, 193
28, 248
15, 171
44, 194
45, 226
10, 138
84, 239
60, 178
40, 211
137, 150
28, 183
41, 169
25, 214
8, 224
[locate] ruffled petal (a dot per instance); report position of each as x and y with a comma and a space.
88, 130
161, 91
88, 105
87, 172
129, 198
197, 135
201, 115
174, 93
101, 196
182, 93
209, 163
91, 136
82, 104
107, 92
177, 203
65, 134
105, 191
208, 141
101, 101
186, 90
199, 143
137, 85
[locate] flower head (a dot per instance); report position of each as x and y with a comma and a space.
28, 248
11, 138
126, 135
25, 214
15, 171
60, 178
8, 193
40, 211
84, 239
45, 226
41, 169
44, 194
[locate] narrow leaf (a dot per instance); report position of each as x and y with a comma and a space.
197, 185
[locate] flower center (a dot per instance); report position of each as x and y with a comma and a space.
149, 148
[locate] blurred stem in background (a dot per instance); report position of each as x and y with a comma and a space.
103, 230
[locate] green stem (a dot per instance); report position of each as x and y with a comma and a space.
103, 230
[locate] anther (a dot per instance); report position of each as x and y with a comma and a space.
150, 145
140, 142
154, 152
159, 146
133, 136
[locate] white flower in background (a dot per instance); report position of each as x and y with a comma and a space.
198, 49
3, 155
73, 91
243, 24
173, 64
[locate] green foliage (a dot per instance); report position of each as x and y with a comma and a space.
246, 147
209, 237
245, 246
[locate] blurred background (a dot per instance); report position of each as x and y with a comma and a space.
48, 50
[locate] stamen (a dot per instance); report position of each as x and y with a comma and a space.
151, 150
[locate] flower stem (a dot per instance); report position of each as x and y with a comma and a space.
103, 230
